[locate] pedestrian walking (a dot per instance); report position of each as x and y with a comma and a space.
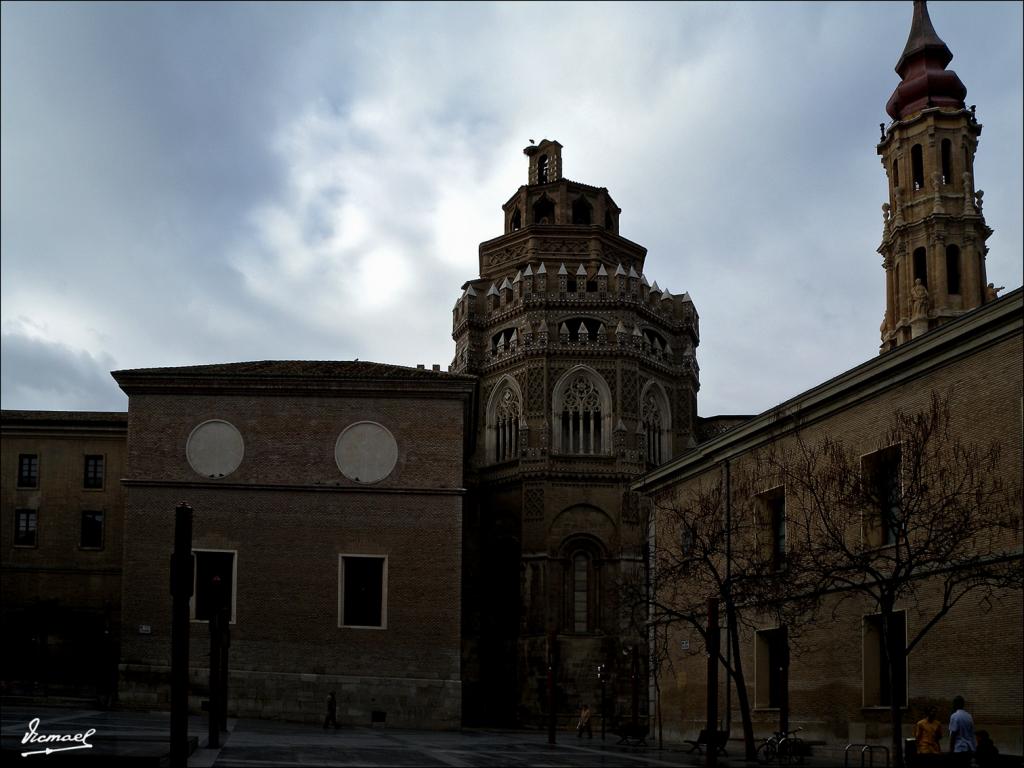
332, 712
928, 733
961, 732
584, 723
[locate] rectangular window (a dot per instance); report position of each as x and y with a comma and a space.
214, 583
883, 493
878, 692
92, 529
362, 591
769, 667
772, 526
93, 477
28, 470
25, 527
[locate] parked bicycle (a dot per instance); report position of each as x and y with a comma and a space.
782, 746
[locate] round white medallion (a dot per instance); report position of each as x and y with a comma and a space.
215, 448
366, 452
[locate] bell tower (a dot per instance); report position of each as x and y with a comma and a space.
588, 378
933, 237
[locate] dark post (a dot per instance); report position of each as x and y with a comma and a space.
784, 682
711, 754
215, 659
181, 591
636, 689
602, 677
551, 688
225, 643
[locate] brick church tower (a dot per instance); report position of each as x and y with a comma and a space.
933, 240
587, 378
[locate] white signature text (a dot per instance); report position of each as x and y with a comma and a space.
74, 740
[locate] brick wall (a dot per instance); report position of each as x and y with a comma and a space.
975, 651
288, 512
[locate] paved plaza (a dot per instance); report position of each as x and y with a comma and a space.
140, 739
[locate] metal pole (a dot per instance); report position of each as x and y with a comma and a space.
213, 729
636, 689
551, 688
225, 644
784, 682
728, 580
711, 753
181, 591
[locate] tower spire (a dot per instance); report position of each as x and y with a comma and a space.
933, 230
925, 81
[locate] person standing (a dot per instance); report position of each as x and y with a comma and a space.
928, 733
961, 732
332, 712
584, 723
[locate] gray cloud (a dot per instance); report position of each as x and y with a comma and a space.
208, 182
76, 380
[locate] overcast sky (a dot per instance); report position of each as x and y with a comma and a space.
197, 183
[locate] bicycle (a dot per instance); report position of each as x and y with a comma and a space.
783, 746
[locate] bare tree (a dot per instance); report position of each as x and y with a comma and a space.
925, 516
715, 542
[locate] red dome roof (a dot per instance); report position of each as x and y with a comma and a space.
925, 80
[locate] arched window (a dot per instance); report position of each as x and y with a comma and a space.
947, 161
917, 166
656, 424
895, 173
921, 266
580, 592
582, 556
517, 220
952, 269
544, 211
581, 420
504, 415
581, 211
542, 169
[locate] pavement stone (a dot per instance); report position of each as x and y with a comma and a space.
141, 738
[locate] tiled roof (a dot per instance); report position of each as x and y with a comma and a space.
306, 369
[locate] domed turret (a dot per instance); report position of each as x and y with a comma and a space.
925, 81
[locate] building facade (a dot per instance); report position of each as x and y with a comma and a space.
60, 550
587, 377
835, 688
327, 500
946, 338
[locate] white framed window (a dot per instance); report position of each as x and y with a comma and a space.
26, 531
213, 571
93, 471
363, 591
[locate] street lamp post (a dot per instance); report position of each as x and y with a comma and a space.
602, 678
181, 592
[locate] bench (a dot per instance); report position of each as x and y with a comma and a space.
704, 740
632, 736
